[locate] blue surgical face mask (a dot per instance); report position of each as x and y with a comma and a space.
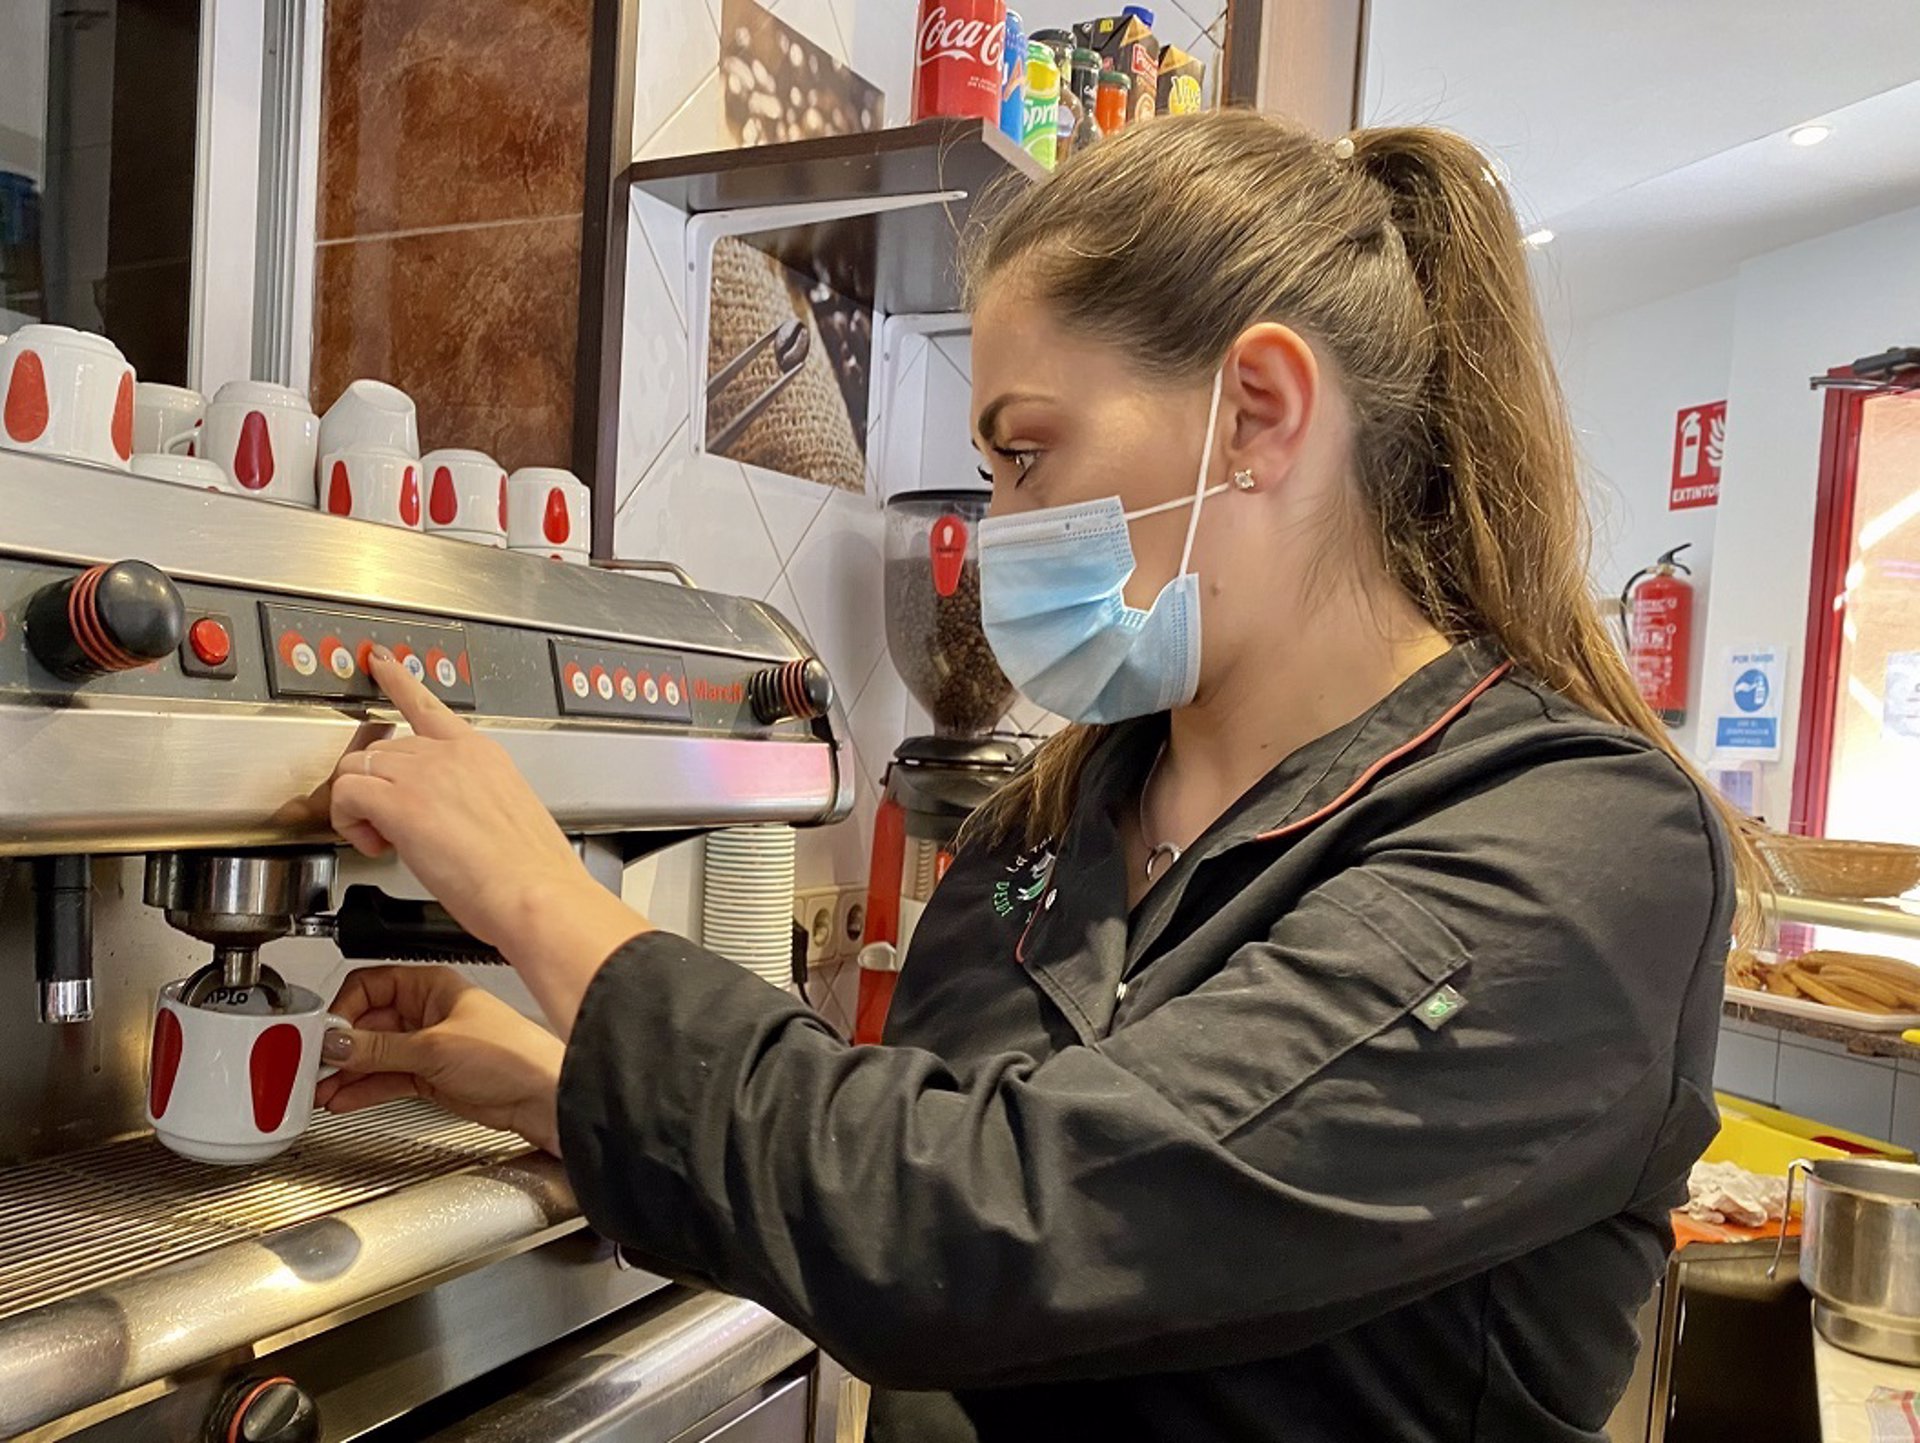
1052, 600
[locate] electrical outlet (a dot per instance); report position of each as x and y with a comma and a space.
850, 920
817, 912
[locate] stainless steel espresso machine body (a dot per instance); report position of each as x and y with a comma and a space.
178, 672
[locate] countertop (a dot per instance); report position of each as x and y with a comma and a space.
1846, 1380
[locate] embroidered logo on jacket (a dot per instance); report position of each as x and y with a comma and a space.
1026, 879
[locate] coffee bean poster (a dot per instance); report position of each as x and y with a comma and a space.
780, 86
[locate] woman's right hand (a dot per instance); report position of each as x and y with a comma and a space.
428, 1032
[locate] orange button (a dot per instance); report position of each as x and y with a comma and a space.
210, 641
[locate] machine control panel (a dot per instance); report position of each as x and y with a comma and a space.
593, 679
317, 652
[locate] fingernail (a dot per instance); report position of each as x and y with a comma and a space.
337, 1046
381, 653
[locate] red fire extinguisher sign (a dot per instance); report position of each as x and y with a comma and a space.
1699, 439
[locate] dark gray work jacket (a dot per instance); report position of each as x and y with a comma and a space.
1364, 1126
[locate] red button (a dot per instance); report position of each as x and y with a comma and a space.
364, 655
210, 641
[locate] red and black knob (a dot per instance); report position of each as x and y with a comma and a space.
265, 1410
107, 618
800, 689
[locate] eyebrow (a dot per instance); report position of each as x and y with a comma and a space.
990, 414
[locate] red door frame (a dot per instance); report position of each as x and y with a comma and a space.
1826, 604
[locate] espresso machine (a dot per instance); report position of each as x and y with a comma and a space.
179, 671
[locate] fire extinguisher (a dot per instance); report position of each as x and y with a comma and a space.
1656, 606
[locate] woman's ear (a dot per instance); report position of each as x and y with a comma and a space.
1273, 385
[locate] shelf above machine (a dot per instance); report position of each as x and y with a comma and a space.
901, 257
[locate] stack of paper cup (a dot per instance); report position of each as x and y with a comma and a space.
746, 909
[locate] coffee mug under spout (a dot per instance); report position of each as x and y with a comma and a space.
231, 1081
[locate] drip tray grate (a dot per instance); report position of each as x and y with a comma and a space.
76, 1222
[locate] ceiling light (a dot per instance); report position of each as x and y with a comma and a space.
1539, 238
1806, 135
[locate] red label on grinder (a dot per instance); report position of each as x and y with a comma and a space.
947, 543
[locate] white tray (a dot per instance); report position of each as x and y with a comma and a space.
1820, 1012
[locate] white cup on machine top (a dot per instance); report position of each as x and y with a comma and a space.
162, 413
183, 471
234, 1084
547, 510
466, 496
265, 437
371, 415
372, 485
66, 393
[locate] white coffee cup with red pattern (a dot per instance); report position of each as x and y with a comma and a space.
547, 511
378, 486
371, 416
234, 1083
466, 496
264, 436
66, 393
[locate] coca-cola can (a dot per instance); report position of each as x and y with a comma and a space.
958, 68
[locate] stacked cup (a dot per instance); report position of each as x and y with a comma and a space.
169, 421
466, 497
746, 908
547, 514
66, 393
261, 436
370, 456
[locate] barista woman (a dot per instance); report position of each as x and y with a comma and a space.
1310, 1045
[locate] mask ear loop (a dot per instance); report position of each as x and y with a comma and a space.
1200, 492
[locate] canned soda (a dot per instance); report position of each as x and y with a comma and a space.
1043, 103
1013, 79
960, 55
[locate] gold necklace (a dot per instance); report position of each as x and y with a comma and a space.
1155, 850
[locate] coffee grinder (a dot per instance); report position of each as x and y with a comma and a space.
934, 783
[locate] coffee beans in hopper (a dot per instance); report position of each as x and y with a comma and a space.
940, 650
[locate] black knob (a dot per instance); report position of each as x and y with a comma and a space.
265, 1410
108, 618
800, 689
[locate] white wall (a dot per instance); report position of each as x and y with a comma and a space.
1626, 376
1783, 317
1797, 312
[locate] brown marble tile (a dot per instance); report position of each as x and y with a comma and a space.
478, 326
440, 112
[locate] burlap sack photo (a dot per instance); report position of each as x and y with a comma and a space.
806, 430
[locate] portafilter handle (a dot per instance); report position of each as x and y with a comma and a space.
371, 926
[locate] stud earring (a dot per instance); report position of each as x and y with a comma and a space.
1243, 480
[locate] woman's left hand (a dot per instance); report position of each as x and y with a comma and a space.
461, 816
428, 1032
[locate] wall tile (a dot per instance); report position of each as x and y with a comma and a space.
878, 717
437, 113
880, 36
696, 510
947, 457
475, 324
679, 44
788, 506
700, 123
654, 370
1746, 1066
896, 436
837, 575
956, 351
664, 229
1846, 1091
